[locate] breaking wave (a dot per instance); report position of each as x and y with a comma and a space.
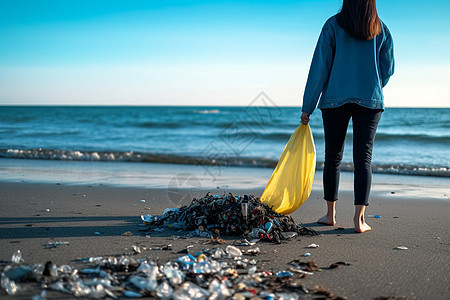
226, 161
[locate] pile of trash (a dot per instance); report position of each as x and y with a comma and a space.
210, 274
228, 215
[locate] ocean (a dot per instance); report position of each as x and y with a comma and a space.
409, 141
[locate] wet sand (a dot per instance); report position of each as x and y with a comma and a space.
32, 215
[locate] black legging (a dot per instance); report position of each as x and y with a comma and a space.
335, 123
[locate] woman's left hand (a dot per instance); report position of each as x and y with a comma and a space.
305, 118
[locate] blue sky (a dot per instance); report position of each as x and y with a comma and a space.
200, 52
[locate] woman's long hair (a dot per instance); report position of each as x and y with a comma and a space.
360, 18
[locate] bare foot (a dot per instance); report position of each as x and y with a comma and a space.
330, 217
361, 226
360, 223
327, 220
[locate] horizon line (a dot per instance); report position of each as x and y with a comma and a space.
177, 105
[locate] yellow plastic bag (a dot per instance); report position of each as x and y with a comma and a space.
291, 182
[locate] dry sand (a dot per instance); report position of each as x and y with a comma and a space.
376, 269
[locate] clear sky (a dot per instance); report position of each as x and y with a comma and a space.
166, 52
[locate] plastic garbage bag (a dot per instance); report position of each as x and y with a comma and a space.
291, 182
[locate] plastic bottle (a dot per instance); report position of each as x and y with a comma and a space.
164, 290
189, 290
143, 283
217, 253
252, 270
149, 268
8, 285
218, 290
175, 276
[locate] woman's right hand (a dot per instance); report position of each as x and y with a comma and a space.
305, 118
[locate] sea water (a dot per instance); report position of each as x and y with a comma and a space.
412, 141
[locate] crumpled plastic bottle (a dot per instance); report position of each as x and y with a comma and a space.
64, 288
217, 253
252, 270
189, 290
149, 268
186, 261
218, 290
65, 269
175, 276
164, 290
143, 283
205, 267
8, 285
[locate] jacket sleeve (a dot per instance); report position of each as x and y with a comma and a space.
387, 59
320, 69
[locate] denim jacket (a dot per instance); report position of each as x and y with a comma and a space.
346, 69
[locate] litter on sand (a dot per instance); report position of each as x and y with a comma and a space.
210, 274
55, 244
401, 248
229, 215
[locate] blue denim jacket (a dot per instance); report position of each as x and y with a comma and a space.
346, 69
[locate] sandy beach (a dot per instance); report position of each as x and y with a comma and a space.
34, 214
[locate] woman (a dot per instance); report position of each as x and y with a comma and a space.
352, 62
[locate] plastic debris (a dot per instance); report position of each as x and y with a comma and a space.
313, 246
131, 294
401, 248
127, 233
55, 244
253, 251
17, 257
374, 216
146, 219
211, 274
136, 249
164, 290
217, 273
289, 235
143, 201
306, 254
284, 274
211, 216
18, 273
233, 251
9, 286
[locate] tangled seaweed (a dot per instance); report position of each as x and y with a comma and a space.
231, 216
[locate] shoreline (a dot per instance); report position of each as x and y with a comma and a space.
76, 212
230, 162
197, 177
